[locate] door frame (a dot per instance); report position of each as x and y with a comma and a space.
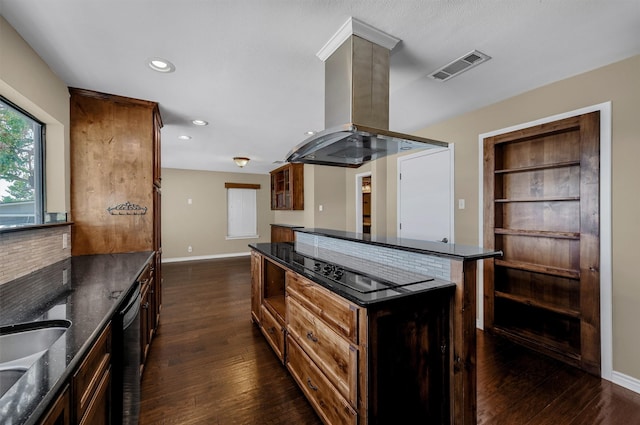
359, 178
452, 210
606, 273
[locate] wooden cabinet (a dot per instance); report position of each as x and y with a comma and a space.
91, 383
115, 166
115, 186
148, 311
287, 187
357, 365
60, 411
327, 402
541, 209
283, 233
256, 286
273, 305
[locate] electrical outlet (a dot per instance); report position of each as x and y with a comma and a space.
189, 201
65, 277
65, 241
460, 204
190, 248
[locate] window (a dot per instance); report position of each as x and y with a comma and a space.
241, 213
21, 167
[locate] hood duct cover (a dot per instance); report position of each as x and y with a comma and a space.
356, 109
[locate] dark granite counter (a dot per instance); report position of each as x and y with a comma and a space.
439, 249
86, 290
285, 254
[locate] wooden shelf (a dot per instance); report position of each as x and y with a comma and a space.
537, 233
550, 199
538, 167
537, 304
276, 306
537, 268
556, 348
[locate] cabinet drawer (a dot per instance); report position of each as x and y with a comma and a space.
330, 405
338, 313
273, 332
91, 372
337, 358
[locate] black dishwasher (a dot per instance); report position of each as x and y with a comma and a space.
126, 382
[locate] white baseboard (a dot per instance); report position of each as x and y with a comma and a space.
205, 257
626, 381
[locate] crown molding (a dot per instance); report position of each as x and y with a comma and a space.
362, 30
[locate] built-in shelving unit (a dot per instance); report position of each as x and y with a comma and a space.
541, 197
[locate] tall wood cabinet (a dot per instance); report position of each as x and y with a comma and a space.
541, 194
116, 182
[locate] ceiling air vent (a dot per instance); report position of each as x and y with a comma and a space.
460, 65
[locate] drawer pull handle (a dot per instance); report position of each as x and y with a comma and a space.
145, 305
311, 336
271, 330
310, 385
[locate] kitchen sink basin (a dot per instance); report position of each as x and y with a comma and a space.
8, 377
22, 344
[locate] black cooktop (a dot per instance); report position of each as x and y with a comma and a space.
356, 280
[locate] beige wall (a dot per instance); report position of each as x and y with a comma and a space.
28, 82
203, 224
618, 83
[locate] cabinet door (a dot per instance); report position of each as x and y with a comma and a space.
273, 331
87, 381
99, 410
60, 411
145, 325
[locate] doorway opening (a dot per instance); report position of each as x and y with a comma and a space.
363, 203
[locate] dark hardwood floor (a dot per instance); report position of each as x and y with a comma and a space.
210, 365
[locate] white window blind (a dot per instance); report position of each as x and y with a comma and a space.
241, 214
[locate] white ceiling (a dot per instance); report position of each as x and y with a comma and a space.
249, 67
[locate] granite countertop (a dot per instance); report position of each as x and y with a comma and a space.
86, 290
285, 254
439, 249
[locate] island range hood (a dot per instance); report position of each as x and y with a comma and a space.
357, 105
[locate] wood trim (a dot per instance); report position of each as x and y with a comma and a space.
228, 185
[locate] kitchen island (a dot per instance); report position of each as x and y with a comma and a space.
411, 300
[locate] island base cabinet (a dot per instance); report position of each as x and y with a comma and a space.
330, 406
273, 331
409, 363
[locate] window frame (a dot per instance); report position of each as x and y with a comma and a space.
39, 141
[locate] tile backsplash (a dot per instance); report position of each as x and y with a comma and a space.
385, 262
25, 251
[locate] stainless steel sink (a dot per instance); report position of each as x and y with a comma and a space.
22, 344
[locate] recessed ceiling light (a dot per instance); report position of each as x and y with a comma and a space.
161, 65
184, 137
199, 122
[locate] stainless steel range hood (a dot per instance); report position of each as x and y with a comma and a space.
356, 111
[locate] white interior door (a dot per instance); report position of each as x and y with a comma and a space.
425, 204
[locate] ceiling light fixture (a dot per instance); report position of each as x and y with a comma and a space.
241, 161
310, 132
184, 137
161, 65
200, 122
